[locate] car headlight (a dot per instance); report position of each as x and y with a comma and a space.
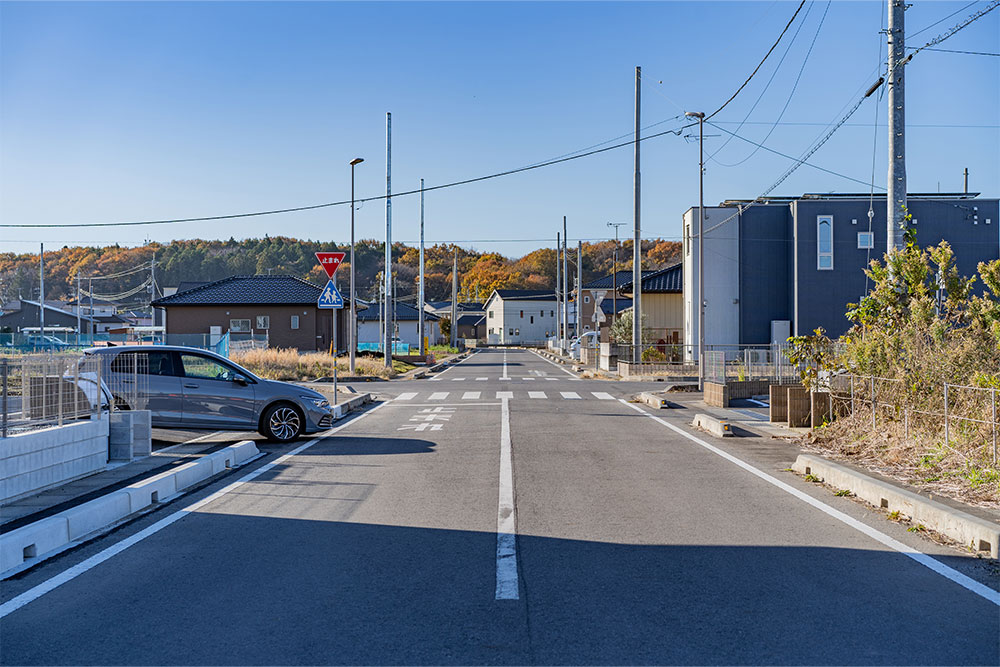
320, 403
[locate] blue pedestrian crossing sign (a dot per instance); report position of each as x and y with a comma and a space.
330, 298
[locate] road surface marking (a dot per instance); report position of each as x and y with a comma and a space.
41, 589
504, 376
506, 524
750, 414
406, 396
505, 394
569, 394
528, 379
536, 394
551, 379
502, 379
470, 396
555, 364
457, 379
438, 396
188, 442
603, 395
434, 379
481, 379
877, 535
760, 403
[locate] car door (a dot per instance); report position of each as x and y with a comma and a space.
212, 397
161, 377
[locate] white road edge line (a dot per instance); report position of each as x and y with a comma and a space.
924, 559
506, 523
65, 576
555, 364
450, 366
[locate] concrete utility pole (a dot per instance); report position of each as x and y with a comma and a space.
454, 299
637, 247
896, 196
387, 278
565, 273
41, 290
614, 277
579, 284
701, 245
352, 340
420, 289
558, 290
79, 306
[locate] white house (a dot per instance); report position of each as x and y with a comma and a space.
520, 316
406, 325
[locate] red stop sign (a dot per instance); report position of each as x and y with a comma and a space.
330, 261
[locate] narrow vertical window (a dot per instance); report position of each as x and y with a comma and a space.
824, 243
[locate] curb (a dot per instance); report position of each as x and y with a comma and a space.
29, 545
653, 400
956, 524
720, 428
340, 410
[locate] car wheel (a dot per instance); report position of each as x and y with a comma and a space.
282, 423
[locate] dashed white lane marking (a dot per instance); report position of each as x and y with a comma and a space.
435, 379
536, 394
439, 396
877, 535
41, 589
503, 379
506, 588
406, 396
528, 379
603, 395
569, 394
481, 379
551, 379
505, 394
457, 379
470, 396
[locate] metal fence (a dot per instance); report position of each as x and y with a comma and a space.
964, 419
224, 344
41, 391
723, 363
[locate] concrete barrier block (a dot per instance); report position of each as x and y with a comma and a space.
153, 490
32, 541
142, 433
717, 427
222, 460
97, 514
243, 451
190, 474
654, 400
956, 524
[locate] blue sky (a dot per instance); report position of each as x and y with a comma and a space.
136, 111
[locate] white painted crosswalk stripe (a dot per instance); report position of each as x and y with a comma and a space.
603, 395
505, 394
569, 394
457, 379
439, 395
406, 396
536, 394
470, 396
481, 379
528, 379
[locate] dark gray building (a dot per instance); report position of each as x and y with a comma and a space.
789, 265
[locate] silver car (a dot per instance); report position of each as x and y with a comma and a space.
192, 388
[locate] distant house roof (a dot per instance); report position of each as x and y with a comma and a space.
187, 285
612, 279
403, 312
246, 290
609, 304
525, 294
462, 305
61, 311
472, 320
665, 281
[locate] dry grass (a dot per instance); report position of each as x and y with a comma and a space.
291, 365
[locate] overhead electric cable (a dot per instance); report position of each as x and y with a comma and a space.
967, 53
926, 28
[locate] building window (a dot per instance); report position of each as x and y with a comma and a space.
866, 240
510, 332
552, 313
295, 321
522, 314
517, 332
586, 327
239, 326
824, 243
491, 317
263, 321
531, 320
586, 299
491, 331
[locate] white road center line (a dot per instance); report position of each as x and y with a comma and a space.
504, 376
481, 379
551, 379
506, 522
439, 396
603, 395
457, 379
406, 396
528, 379
877, 535
569, 394
41, 589
470, 396
505, 394
536, 394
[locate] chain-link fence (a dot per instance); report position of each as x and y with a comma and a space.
964, 419
41, 391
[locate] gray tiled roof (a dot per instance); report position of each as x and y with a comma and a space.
526, 294
609, 281
665, 281
471, 320
241, 290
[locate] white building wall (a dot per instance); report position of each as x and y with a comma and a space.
512, 321
722, 270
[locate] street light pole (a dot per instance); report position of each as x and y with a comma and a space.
352, 343
701, 245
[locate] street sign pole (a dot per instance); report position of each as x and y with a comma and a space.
330, 297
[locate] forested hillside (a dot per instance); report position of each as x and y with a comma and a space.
479, 272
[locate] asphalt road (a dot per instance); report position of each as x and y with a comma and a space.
634, 544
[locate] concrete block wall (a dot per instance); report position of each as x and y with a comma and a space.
33, 461
799, 406
716, 395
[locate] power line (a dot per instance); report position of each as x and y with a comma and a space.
926, 28
759, 65
968, 53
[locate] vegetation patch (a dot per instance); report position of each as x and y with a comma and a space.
291, 365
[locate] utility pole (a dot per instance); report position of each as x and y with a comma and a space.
966, 180
565, 273
558, 290
614, 277
78, 307
579, 284
701, 245
637, 245
41, 292
420, 296
896, 196
387, 278
90, 296
454, 300
352, 339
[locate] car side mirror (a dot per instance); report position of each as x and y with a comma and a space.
240, 380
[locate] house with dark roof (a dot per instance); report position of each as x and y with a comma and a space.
405, 324
604, 287
472, 326
279, 306
662, 303
27, 314
520, 316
